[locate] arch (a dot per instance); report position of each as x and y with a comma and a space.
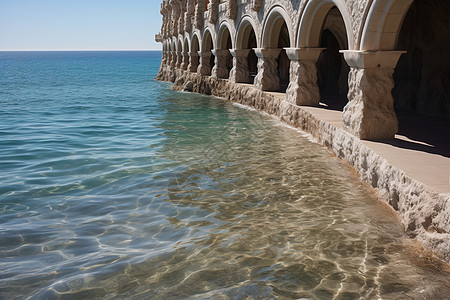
383, 23
246, 26
195, 43
246, 39
225, 31
207, 60
207, 41
313, 18
224, 60
179, 46
186, 45
273, 23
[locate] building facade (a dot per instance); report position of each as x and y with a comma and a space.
367, 54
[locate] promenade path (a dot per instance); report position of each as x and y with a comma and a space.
421, 148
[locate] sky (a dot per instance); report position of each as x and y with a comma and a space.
37, 25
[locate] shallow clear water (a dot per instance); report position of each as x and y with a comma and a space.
113, 186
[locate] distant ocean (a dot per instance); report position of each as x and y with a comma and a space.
114, 186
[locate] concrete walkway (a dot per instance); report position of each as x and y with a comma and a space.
421, 149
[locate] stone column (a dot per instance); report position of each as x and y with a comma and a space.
220, 64
199, 14
185, 61
173, 59
370, 114
239, 72
164, 57
232, 9
204, 68
187, 23
303, 88
267, 78
193, 62
213, 8
179, 59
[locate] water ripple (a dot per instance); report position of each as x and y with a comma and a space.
126, 189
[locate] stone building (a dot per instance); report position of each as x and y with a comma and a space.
365, 58
361, 56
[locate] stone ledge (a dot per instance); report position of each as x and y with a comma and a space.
425, 213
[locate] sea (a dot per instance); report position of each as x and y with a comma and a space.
114, 186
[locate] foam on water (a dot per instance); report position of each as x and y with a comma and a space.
114, 186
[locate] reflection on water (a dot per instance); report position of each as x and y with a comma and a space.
193, 198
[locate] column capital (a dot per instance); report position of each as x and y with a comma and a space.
304, 53
372, 59
220, 52
267, 53
204, 54
239, 52
193, 54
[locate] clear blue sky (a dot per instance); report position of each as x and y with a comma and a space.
79, 24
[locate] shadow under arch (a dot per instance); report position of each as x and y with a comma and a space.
277, 35
207, 58
422, 77
246, 42
179, 52
185, 53
224, 45
326, 24
193, 53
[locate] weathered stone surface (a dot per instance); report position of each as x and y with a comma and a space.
232, 9
240, 71
267, 78
204, 68
179, 59
193, 62
220, 64
185, 61
370, 113
303, 88
199, 14
188, 86
213, 11
256, 4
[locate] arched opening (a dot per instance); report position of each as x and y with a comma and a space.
277, 36
179, 54
252, 59
195, 48
246, 40
185, 54
173, 52
207, 56
283, 60
332, 69
224, 44
422, 75
164, 48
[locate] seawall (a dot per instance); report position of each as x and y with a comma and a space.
424, 212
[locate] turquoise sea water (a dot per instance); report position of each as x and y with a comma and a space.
113, 186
